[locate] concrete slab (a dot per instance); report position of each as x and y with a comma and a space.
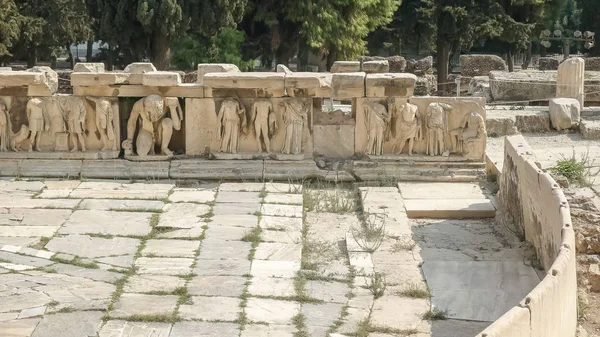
449, 208
478, 290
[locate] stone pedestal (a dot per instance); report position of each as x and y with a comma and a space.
569, 83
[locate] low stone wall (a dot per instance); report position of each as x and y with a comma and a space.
534, 206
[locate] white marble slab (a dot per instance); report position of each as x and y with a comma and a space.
478, 290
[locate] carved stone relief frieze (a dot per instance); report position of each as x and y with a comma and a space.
55, 127
250, 128
390, 128
150, 127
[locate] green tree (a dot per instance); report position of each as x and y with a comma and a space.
460, 23
48, 26
9, 28
590, 20
141, 28
223, 47
336, 28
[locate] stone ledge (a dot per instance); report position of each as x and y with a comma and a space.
245, 170
191, 90
449, 209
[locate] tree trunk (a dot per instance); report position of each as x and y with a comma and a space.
32, 57
68, 46
89, 51
303, 55
527, 61
284, 53
110, 60
161, 51
443, 61
510, 61
331, 58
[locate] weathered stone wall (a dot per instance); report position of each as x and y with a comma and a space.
534, 205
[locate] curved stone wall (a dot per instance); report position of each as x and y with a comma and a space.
536, 208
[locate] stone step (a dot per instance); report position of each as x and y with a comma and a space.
449, 208
446, 200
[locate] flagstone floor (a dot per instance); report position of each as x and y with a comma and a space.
122, 259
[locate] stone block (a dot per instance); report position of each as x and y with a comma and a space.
379, 66
420, 67
564, 113
397, 63
385, 85
256, 80
308, 84
141, 304
98, 78
161, 79
194, 90
20, 78
532, 121
522, 85
205, 68
348, 85
449, 208
480, 65
345, 67
479, 86
139, 68
499, 124
590, 129
83, 67
50, 77
283, 69
547, 63
570, 79
334, 141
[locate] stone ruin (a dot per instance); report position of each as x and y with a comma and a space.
150, 117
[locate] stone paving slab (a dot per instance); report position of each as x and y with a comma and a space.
331, 292
204, 329
171, 248
291, 237
238, 187
117, 328
120, 204
280, 223
220, 249
271, 311
164, 265
272, 330
141, 304
231, 286
293, 211
278, 252
214, 308
74, 324
151, 283
183, 215
284, 198
262, 268
192, 195
107, 222
35, 217
226, 233
236, 208
233, 267
399, 312
238, 197
270, 286
27, 231
19, 328
92, 247
124, 261
13, 202
321, 315
234, 220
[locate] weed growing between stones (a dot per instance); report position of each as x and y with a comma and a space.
414, 290
577, 171
41, 244
369, 236
299, 321
403, 242
435, 315
329, 197
377, 285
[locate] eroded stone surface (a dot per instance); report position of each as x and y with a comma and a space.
140, 304
107, 222
92, 247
